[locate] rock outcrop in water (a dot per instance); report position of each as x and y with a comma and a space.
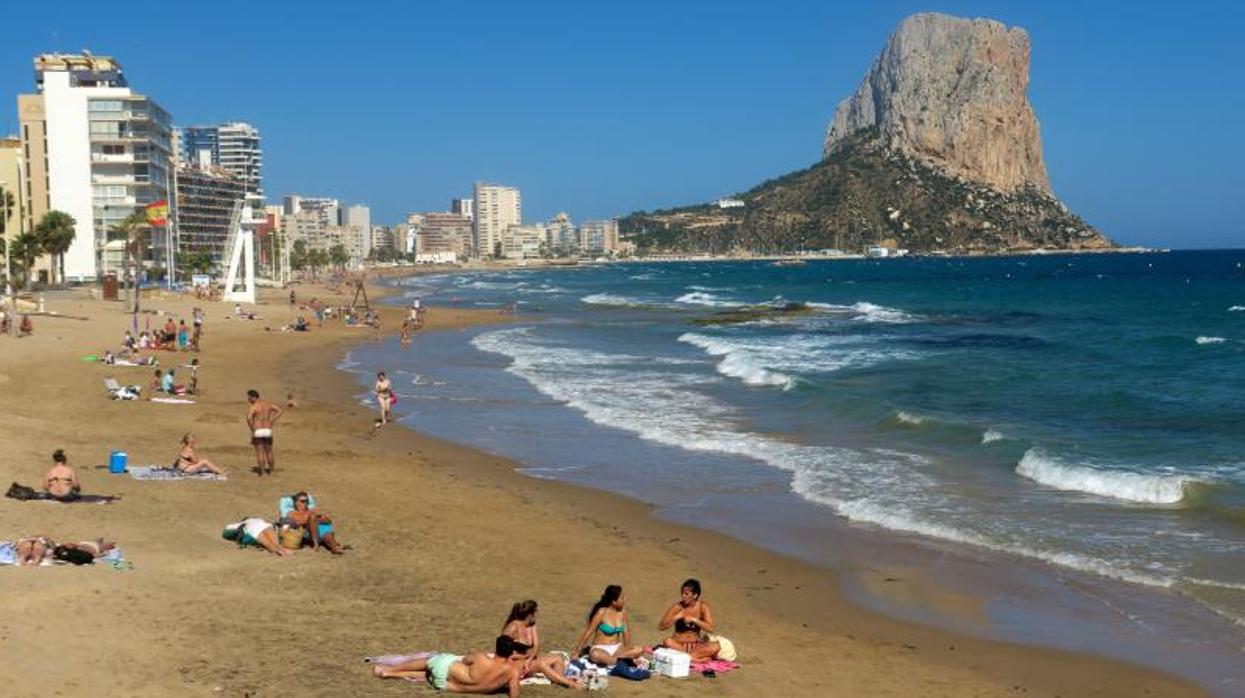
937, 150
952, 93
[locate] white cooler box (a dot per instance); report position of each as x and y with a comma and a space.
672, 663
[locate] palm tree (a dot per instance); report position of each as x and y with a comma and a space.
27, 247
132, 229
56, 231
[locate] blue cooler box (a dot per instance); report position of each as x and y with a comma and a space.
117, 461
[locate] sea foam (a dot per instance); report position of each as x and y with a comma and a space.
610, 299
1210, 340
706, 299
738, 362
1237, 309
1115, 484
991, 435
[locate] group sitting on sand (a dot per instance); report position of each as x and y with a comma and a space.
605, 642
299, 524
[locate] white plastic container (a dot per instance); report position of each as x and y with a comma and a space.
672, 663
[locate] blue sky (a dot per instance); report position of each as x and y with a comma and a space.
602, 108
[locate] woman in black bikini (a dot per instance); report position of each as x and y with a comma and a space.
692, 620
190, 463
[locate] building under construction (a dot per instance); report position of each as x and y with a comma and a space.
207, 198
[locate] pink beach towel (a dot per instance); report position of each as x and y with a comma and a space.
719, 666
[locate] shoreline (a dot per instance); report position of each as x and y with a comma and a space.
427, 570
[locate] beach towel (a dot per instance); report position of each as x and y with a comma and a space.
8, 556
156, 472
717, 666
395, 659
173, 400
29, 494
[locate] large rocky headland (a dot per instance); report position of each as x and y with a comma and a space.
938, 149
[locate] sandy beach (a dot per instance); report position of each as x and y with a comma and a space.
444, 539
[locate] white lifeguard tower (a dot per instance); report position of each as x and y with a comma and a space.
241, 248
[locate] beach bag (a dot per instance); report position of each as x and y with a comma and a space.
726, 648
292, 537
628, 670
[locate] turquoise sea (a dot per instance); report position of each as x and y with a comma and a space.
1080, 415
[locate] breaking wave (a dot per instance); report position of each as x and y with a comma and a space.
1115, 484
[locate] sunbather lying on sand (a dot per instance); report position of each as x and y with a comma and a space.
255, 531
190, 462
608, 630
692, 621
83, 552
478, 672
33, 551
520, 626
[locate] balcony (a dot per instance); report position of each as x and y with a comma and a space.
120, 179
115, 157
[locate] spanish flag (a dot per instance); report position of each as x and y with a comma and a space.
158, 212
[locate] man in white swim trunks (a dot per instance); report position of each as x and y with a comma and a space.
478, 672
260, 419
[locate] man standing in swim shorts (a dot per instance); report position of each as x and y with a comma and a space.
260, 419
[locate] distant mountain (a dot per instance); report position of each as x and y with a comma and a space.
938, 149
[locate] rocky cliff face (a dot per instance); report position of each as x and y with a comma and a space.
937, 151
951, 92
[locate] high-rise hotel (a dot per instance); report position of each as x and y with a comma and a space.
496, 208
93, 149
234, 147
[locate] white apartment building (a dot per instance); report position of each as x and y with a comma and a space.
560, 237
523, 242
357, 220
599, 238
463, 207
496, 209
95, 150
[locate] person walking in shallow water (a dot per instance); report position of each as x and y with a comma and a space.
384, 397
260, 419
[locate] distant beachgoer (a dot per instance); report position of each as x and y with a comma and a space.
129, 342
317, 526
168, 386
61, 482
193, 386
607, 637
290, 402
83, 552
477, 672
33, 550
144, 340
197, 319
183, 336
520, 626
406, 333
26, 328
384, 396
157, 381
258, 532
260, 419
168, 338
293, 302
190, 462
692, 621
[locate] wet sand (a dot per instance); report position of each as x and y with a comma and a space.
444, 540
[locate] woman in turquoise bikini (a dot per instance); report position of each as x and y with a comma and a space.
607, 637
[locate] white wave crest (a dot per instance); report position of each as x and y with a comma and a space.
738, 362
990, 436
710, 289
610, 299
1115, 484
910, 418
877, 313
707, 299
1237, 309
1210, 340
